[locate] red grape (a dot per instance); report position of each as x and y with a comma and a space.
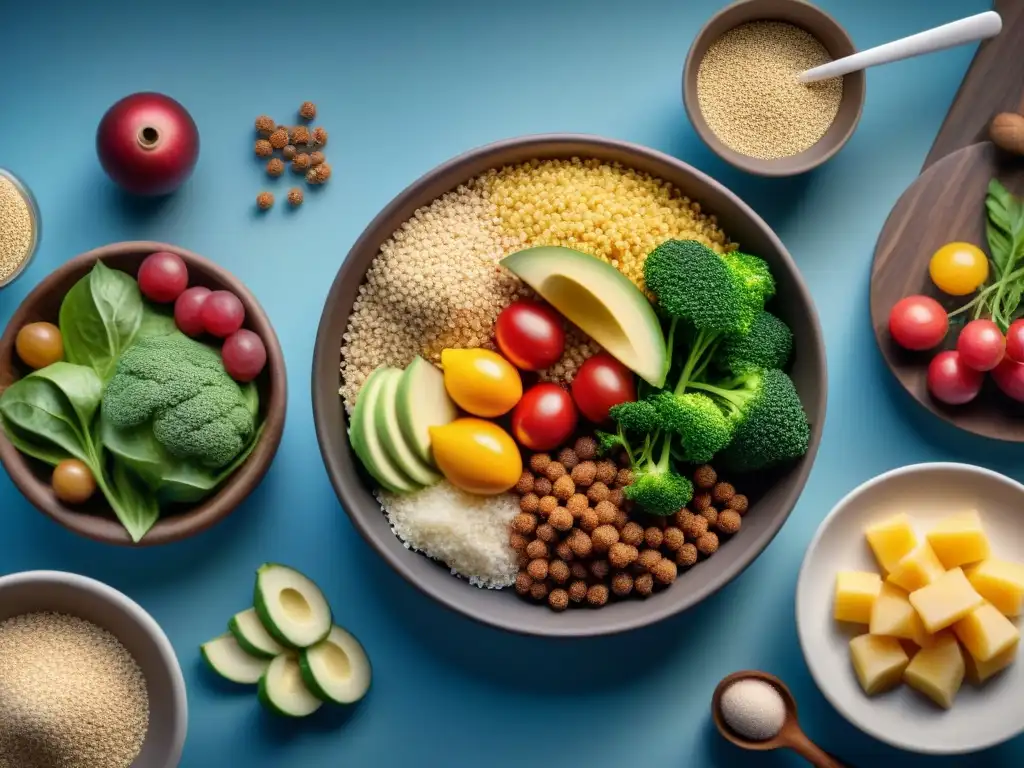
918, 322
1015, 341
981, 345
162, 277
1009, 377
952, 382
530, 335
188, 310
222, 313
244, 355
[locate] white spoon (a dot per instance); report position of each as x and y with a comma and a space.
978, 27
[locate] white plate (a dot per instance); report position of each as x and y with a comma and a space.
980, 717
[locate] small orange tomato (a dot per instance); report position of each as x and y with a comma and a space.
39, 345
73, 482
481, 382
477, 456
958, 269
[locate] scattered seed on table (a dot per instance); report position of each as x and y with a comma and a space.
289, 152
264, 148
749, 94
301, 163
16, 228
319, 137
265, 200
265, 125
275, 166
295, 196
279, 138
308, 110
300, 135
316, 158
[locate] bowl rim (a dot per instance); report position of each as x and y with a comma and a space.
242, 482
140, 616
326, 358
754, 165
834, 513
37, 224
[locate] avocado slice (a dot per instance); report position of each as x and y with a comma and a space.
601, 301
252, 636
291, 606
366, 442
226, 657
394, 442
283, 692
336, 669
422, 403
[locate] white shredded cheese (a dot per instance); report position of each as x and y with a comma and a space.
467, 533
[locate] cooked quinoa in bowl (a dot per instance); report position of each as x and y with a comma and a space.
425, 277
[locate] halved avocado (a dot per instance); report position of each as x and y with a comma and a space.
601, 301
390, 432
366, 442
422, 403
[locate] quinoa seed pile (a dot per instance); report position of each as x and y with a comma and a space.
16, 229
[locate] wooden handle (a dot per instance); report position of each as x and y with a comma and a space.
810, 751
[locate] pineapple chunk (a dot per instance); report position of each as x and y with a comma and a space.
945, 601
980, 671
855, 595
937, 672
986, 633
891, 539
999, 582
918, 568
878, 661
959, 540
893, 616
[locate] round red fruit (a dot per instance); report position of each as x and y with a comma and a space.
222, 314
188, 310
1009, 377
981, 345
918, 322
244, 355
530, 335
952, 382
601, 382
1015, 341
162, 277
544, 418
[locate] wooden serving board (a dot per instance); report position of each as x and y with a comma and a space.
946, 203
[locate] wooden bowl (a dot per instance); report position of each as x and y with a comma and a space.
944, 204
773, 496
831, 35
95, 520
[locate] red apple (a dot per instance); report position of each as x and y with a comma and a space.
148, 144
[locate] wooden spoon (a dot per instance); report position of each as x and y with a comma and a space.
790, 737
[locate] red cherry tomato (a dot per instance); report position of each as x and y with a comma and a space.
981, 345
601, 382
918, 322
244, 355
1009, 377
188, 310
544, 418
162, 277
222, 314
952, 382
530, 335
1015, 341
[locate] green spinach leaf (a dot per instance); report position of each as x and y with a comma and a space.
30, 445
80, 385
156, 321
100, 317
38, 408
137, 507
252, 399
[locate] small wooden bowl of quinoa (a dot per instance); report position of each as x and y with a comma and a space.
424, 275
741, 92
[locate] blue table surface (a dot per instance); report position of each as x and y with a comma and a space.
401, 86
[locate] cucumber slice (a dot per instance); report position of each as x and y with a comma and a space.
283, 692
422, 402
336, 669
366, 443
394, 442
291, 606
226, 657
252, 636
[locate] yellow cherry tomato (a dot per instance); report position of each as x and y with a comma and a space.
958, 268
39, 345
477, 456
480, 381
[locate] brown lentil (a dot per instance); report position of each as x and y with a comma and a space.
695, 527
289, 152
580, 544
577, 504
529, 502
523, 583
606, 512
749, 94
554, 470
597, 595
568, 458
318, 174
559, 571
686, 556
300, 163
547, 504
589, 520
558, 599
722, 492
542, 486
265, 125
295, 196
707, 544
279, 139
525, 483
300, 136
700, 501
563, 487
319, 137
565, 551
308, 110
538, 569
643, 584
579, 570
740, 503
705, 477
623, 478
539, 462
729, 522
711, 515
647, 559
583, 474
524, 523
622, 584
560, 519
578, 591
632, 533
622, 555
673, 539
600, 569
275, 166
597, 492
316, 158
536, 549
585, 448
518, 542
265, 201
539, 591
17, 229
263, 148
616, 497
606, 471
653, 537
546, 533
664, 571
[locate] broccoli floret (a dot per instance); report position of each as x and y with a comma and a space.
180, 387
753, 272
656, 487
701, 426
640, 416
770, 424
768, 345
608, 442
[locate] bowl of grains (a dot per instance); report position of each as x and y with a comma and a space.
564, 551
20, 227
742, 95
87, 677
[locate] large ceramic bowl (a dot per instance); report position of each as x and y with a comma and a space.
774, 497
138, 632
95, 520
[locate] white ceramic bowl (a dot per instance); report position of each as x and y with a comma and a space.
980, 717
35, 591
